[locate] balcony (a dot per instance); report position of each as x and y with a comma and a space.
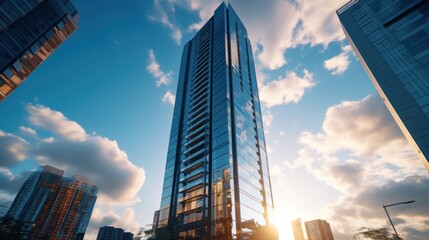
203, 115
193, 206
194, 194
186, 176
197, 111
196, 124
195, 148
192, 157
191, 167
199, 182
196, 99
196, 134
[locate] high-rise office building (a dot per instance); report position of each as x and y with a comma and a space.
51, 206
318, 230
217, 182
112, 233
127, 236
30, 30
390, 38
297, 229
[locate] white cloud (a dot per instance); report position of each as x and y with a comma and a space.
365, 131
13, 149
80, 153
54, 121
9, 183
49, 139
104, 216
318, 23
176, 35
154, 69
364, 209
292, 23
287, 90
205, 9
28, 131
77, 153
364, 126
283, 15
362, 153
338, 65
267, 118
261, 75
270, 149
169, 98
119, 180
161, 15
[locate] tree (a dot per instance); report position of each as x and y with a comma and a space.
163, 233
374, 233
9, 228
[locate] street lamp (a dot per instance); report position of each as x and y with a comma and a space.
385, 206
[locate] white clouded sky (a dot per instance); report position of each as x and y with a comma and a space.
335, 152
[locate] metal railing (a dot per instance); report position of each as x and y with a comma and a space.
346, 6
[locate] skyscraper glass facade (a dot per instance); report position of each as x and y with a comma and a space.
297, 229
391, 37
53, 207
30, 30
216, 182
318, 230
112, 233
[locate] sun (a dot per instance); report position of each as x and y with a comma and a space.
283, 217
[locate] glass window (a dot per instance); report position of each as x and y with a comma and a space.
193, 217
61, 25
17, 65
35, 48
249, 213
168, 182
165, 202
221, 151
49, 34
10, 10
4, 88
166, 192
221, 161
163, 213
8, 73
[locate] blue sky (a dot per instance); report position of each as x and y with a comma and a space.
105, 97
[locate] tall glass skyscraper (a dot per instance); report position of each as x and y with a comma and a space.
217, 183
318, 230
51, 206
297, 229
390, 38
30, 30
112, 233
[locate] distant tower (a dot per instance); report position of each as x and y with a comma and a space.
112, 233
29, 32
318, 230
54, 207
297, 229
217, 181
390, 38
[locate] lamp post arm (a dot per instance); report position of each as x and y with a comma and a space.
396, 233
408, 202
